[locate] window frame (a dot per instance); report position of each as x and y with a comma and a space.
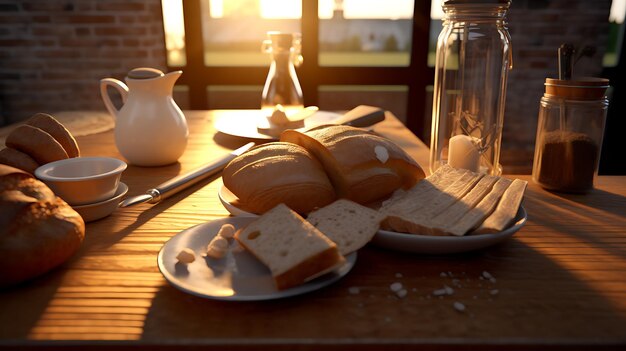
417, 75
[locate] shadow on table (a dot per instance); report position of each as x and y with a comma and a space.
598, 198
563, 213
538, 301
24, 304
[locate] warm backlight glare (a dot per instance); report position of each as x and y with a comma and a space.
292, 9
174, 25
281, 9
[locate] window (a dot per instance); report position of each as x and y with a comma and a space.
616, 33
355, 52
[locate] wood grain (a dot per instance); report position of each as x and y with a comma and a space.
559, 283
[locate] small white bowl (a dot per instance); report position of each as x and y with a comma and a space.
83, 180
102, 209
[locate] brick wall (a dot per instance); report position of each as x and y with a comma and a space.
538, 28
53, 53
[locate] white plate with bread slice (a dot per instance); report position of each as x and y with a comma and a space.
447, 244
416, 243
238, 275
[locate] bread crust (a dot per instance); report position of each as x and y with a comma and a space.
18, 159
53, 127
299, 274
38, 231
355, 170
275, 173
41, 146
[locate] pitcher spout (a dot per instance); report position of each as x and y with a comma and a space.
171, 78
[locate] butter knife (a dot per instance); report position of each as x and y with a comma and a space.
183, 181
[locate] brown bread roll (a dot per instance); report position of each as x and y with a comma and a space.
38, 231
362, 166
53, 127
275, 173
18, 159
41, 146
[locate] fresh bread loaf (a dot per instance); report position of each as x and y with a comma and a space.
38, 231
348, 224
275, 173
362, 166
289, 246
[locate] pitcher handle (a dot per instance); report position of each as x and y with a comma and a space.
120, 86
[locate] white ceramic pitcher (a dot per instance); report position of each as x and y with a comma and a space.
150, 129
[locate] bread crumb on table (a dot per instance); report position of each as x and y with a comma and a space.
458, 306
354, 290
395, 287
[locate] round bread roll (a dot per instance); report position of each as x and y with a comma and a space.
38, 231
362, 166
53, 127
275, 173
18, 159
41, 146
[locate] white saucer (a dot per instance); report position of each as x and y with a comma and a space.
98, 210
427, 244
245, 124
238, 276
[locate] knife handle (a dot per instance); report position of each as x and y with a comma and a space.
362, 116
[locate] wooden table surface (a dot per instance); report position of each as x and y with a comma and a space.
560, 280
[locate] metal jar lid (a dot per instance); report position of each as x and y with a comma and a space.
585, 89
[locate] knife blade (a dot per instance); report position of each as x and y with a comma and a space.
183, 181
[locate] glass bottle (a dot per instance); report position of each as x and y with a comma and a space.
472, 63
282, 86
570, 127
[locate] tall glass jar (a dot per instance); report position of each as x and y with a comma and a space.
473, 59
282, 86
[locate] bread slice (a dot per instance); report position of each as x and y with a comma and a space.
53, 127
36, 143
18, 159
292, 248
346, 223
507, 208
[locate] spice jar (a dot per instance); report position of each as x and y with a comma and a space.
572, 114
471, 67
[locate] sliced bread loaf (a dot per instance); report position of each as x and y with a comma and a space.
347, 223
289, 246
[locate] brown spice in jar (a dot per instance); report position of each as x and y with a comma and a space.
568, 161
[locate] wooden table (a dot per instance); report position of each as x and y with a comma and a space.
560, 281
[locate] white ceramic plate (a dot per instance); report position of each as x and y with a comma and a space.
229, 200
427, 244
245, 124
98, 210
238, 276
